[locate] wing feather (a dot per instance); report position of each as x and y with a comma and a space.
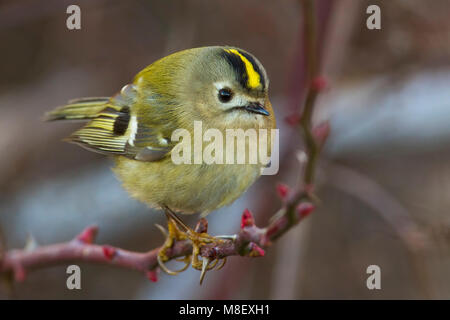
113, 128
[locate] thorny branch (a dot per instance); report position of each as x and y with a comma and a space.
250, 241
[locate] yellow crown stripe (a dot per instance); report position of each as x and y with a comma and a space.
253, 76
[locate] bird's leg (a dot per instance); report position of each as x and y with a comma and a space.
174, 234
198, 239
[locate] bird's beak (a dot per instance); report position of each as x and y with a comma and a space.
256, 107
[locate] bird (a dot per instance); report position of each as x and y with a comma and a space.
218, 87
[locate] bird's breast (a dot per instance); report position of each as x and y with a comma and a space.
187, 188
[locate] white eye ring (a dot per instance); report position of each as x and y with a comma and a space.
236, 99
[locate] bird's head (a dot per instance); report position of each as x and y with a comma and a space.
229, 89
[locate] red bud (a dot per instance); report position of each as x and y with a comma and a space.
255, 250
152, 275
282, 190
304, 209
109, 252
88, 235
19, 274
293, 119
319, 83
321, 132
247, 219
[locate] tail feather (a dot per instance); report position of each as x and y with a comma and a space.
78, 109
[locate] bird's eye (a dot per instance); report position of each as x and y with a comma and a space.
225, 95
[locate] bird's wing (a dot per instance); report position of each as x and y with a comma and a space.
117, 130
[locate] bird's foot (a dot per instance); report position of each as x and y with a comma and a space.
173, 234
178, 231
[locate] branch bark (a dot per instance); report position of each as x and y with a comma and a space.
250, 241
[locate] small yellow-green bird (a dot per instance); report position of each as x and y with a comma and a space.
221, 87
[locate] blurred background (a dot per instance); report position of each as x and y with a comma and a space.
384, 175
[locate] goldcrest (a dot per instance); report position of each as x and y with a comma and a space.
220, 87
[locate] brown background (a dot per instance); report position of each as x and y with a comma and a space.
384, 176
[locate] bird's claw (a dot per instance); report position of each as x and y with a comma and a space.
178, 231
163, 266
172, 234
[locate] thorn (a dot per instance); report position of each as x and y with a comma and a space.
161, 228
304, 209
283, 190
205, 264
152, 275
31, 243
319, 83
255, 250
231, 237
88, 235
293, 119
109, 252
247, 219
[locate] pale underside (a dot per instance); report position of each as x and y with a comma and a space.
196, 188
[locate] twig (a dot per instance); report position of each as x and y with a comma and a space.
311, 95
249, 242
